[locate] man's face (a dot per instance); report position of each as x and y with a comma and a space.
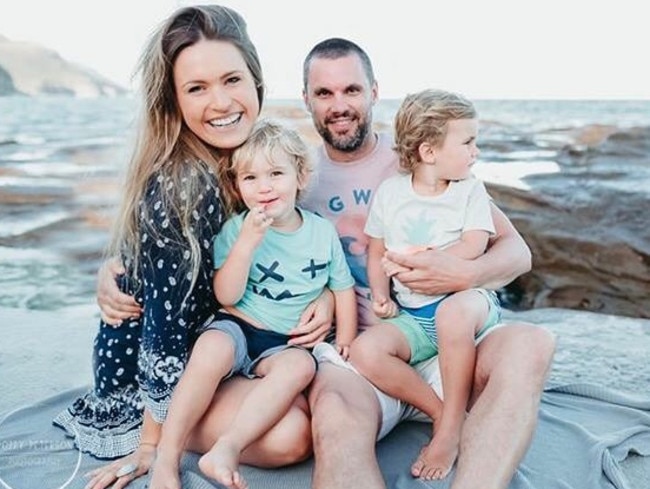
340, 97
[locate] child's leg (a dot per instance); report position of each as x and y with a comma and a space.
211, 359
284, 376
381, 354
458, 318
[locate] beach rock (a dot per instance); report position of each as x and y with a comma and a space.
587, 225
30, 69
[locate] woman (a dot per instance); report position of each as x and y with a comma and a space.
202, 92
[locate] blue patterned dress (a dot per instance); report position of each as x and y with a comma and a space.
138, 363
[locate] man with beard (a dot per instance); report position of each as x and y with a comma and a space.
348, 414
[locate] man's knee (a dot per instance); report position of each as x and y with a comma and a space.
517, 351
342, 404
531, 351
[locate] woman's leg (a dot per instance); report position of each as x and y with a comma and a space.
286, 443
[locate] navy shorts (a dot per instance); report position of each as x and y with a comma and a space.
252, 344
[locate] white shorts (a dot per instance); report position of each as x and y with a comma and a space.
394, 410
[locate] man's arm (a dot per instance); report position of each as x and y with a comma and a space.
437, 272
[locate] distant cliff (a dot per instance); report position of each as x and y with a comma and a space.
30, 69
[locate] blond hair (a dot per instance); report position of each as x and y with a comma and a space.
269, 138
168, 156
423, 117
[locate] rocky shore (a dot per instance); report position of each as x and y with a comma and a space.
587, 224
584, 215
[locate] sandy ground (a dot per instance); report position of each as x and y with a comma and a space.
46, 352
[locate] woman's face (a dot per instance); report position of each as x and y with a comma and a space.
216, 93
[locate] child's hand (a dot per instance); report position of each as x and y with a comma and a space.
344, 350
255, 224
384, 307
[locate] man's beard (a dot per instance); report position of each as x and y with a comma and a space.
346, 144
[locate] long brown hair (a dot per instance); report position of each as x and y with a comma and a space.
165, 146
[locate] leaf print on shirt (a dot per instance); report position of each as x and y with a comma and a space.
418, 232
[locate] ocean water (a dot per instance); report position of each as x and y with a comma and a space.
60, 158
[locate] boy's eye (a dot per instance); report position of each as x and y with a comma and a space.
276, 173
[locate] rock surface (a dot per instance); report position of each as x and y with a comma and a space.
30, 69
587, 224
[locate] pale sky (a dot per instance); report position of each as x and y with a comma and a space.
482, 48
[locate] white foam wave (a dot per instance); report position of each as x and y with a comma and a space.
512, 174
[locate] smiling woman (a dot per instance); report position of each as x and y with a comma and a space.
169, 213
217, 104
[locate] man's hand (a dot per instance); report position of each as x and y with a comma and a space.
432, 272
115, 305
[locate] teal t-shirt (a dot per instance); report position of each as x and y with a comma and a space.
288, 271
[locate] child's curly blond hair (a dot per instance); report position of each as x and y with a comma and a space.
423, 118
269, 138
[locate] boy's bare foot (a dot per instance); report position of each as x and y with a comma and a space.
164, 474
437, 458
221, 463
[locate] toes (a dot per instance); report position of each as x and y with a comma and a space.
416, 468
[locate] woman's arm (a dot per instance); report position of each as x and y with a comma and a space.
437, 272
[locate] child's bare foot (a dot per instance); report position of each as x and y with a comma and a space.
436, 459
164, 474
221, 464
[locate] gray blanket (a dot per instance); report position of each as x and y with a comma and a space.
588, 437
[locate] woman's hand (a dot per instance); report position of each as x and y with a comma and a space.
315, 322
142, 459
115, 305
